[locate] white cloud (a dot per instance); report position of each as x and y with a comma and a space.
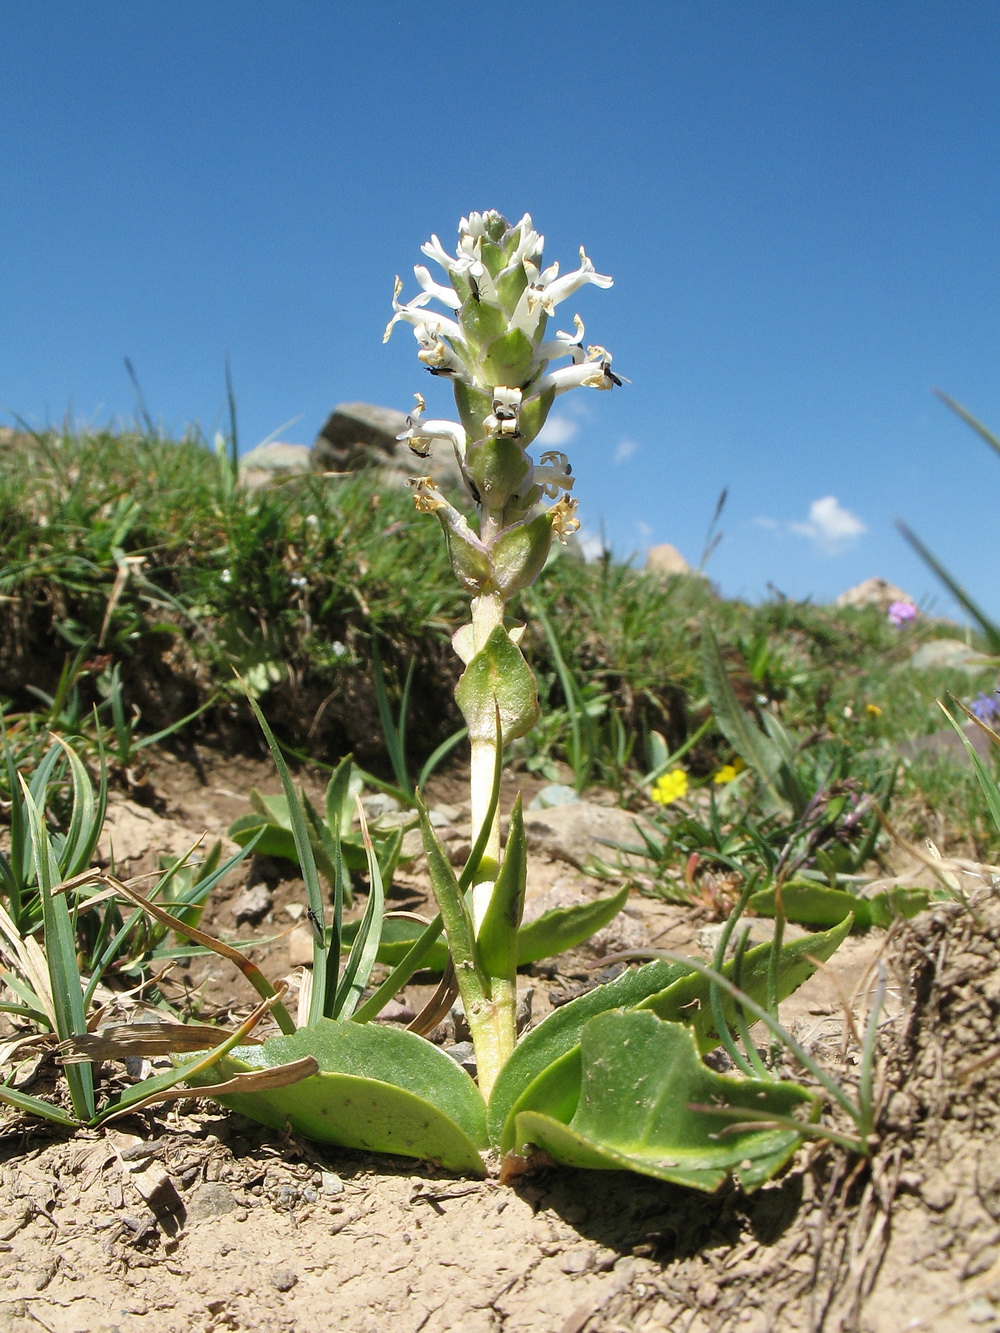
770, 524
557, 430
626, 448
829, 525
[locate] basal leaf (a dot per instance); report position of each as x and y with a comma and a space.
560, 1031
378, 1089
688, 1000
642, 1088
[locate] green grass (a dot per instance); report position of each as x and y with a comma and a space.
134, 570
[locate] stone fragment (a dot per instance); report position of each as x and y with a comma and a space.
579, 833
210, 1200
555, 794
948, 654
300, 947
253, 904
666, 559
876, 592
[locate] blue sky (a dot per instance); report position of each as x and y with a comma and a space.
798, 200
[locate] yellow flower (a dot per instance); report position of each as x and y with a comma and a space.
728, 771
873, 710
670, 787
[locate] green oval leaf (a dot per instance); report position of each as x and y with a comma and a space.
560, 1031
498, 677
819, 905
378, 1089
565, 927
642, 1081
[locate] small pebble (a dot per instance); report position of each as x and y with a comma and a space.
253, 903
331, 1183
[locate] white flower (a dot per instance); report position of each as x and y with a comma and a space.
436, 290
593, 373
506, 410
554, 473
451, 264
564, 519
420, 434
564, 344
557, 289
436, 355
413, 313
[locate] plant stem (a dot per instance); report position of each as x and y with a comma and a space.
487, 614
493, 1024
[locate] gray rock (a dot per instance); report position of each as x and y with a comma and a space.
666, 559
464, 1054
252, 904
277, 458
210, 1200
873, 592
380, 804
580, 832
948, 654
356, 435
555, 794
451, 814
360, 435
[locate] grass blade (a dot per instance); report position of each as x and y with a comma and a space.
307, 863
60, 954
364, 950
990, 629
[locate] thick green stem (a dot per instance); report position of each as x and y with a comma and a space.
493, 1020
493, 1025
487, 613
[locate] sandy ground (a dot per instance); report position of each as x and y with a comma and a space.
195, 1219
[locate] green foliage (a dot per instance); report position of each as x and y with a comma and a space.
648, 1104
271, 828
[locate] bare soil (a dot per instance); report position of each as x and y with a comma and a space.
200, 1220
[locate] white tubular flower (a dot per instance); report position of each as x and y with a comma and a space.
436, 355
413, 313
530, 244
564, 344
590, 374
506, 410
420, 435
554, 474
436, 290
557, 289
451, 264
474, 226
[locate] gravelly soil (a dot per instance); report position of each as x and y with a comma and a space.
198, 1220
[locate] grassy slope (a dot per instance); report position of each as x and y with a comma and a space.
140, 552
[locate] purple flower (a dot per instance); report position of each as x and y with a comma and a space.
900, 613
986, 708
